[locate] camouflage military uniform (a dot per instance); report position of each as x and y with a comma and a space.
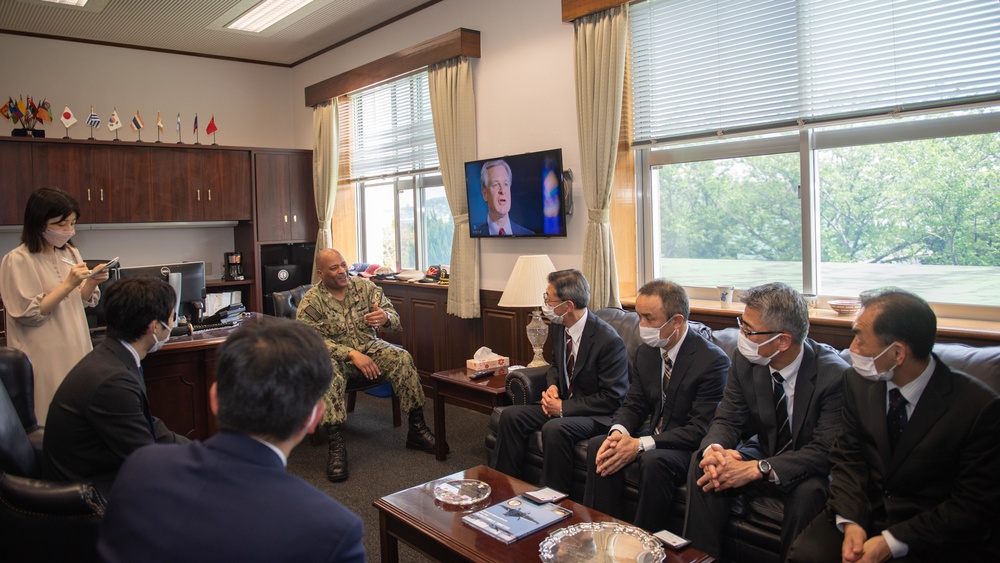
342, 325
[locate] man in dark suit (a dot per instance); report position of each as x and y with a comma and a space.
267, 396
586, 383
677, 381
915, 470
785, 390
100, 413
495, 179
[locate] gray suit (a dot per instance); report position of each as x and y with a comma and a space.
747, 411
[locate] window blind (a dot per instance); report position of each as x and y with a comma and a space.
391, 129
706, 67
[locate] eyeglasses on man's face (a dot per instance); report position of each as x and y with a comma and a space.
747, 332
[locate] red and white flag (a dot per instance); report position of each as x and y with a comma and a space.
68, 118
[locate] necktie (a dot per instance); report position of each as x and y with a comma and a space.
781, 414
895, 419
668, 368
570, 362
501, 232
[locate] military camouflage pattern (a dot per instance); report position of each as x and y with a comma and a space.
342, 326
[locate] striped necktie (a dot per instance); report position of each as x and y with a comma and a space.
668, 368
781, 414
896, 418
570, 364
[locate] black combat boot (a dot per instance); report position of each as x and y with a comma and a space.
336, 460
420, 436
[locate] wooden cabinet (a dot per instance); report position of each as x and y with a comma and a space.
286, 210
110, 183
196, 184
15, 181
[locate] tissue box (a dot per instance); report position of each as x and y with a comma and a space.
499, 361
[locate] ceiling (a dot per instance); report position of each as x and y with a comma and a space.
196, 26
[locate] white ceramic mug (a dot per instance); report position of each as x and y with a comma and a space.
726, 295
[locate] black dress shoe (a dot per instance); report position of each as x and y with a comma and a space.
336, 460
420, 436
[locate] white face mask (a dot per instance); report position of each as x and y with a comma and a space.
157, 343
56, 238
651, 336
865, 366
749, 349
550, 313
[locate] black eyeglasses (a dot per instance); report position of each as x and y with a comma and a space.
743, 329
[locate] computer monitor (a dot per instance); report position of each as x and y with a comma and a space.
192, 284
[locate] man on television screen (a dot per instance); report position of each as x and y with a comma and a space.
495, 179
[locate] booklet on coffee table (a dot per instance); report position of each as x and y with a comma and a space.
516, 518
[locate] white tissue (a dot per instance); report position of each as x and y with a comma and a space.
485, 353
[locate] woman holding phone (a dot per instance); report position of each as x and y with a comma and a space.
45, 284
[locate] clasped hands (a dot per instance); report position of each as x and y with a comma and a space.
617, 451
551, 403
858, 547
725, 469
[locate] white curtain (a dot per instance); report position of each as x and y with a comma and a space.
454, 110
325, 166
600, 73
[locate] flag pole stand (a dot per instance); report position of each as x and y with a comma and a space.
67, 133
196, 138
116, 136
214, 144
139, 140
91, 137
158, 134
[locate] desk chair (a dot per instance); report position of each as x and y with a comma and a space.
39, 520
286, 304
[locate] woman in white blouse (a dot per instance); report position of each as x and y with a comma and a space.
45, 284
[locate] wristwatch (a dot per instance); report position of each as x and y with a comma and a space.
764, 467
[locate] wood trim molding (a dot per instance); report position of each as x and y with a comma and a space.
441, 48
573, 9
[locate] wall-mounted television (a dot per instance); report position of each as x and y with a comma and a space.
517, 196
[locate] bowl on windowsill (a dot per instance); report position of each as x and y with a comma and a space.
845, 306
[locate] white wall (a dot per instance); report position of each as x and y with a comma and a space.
525, 98
252, 105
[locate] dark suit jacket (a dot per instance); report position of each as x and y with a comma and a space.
227, 499
938, 491
483, 230
695, 389
99, 416
747, 409
600, 372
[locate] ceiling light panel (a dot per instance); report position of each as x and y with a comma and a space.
266, 14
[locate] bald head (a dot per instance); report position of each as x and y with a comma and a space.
332, 269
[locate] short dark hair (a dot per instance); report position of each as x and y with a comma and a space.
902, 316
44, 204
132, 303
781, 308
672, 296
572, 286
270, 374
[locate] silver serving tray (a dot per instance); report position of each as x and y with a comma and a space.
601, 542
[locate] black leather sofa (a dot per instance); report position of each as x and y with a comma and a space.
754, 531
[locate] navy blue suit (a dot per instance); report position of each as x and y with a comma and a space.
227, 499
483, 230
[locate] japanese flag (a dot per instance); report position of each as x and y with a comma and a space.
67, 117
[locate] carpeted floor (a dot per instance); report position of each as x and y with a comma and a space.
380, 464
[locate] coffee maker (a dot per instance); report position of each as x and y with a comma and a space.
234, 266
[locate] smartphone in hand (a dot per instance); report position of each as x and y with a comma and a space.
99, 269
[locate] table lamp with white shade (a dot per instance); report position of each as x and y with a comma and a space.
525, 287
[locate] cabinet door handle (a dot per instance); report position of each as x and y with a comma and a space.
210, 194
102, 194
295, 218
88, 195
199, 195
286, 218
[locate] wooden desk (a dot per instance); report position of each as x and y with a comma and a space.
436, 529
455, 387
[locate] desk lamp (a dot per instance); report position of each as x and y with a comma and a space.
525, 288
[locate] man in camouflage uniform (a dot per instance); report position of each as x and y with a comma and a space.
348, 312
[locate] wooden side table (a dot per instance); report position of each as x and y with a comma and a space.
455, 387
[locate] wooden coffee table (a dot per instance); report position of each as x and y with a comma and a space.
455, 387
436, 530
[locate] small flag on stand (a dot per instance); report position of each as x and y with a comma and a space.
114, 124
93, 121
159, 126
137, 125
16, 111
196, 129
178, 128
211, 129
67, 119
44, 112
5, 112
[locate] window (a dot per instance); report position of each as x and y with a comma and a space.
403, 214
835, 146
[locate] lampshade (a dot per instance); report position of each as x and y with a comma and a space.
527, 282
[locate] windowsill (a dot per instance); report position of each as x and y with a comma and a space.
952, 328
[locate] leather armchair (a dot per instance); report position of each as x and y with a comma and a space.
18, 379
39, 520
286, 303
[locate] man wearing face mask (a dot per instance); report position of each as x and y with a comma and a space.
586, 383
677, 381
100, 413
914, 472
784, 390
